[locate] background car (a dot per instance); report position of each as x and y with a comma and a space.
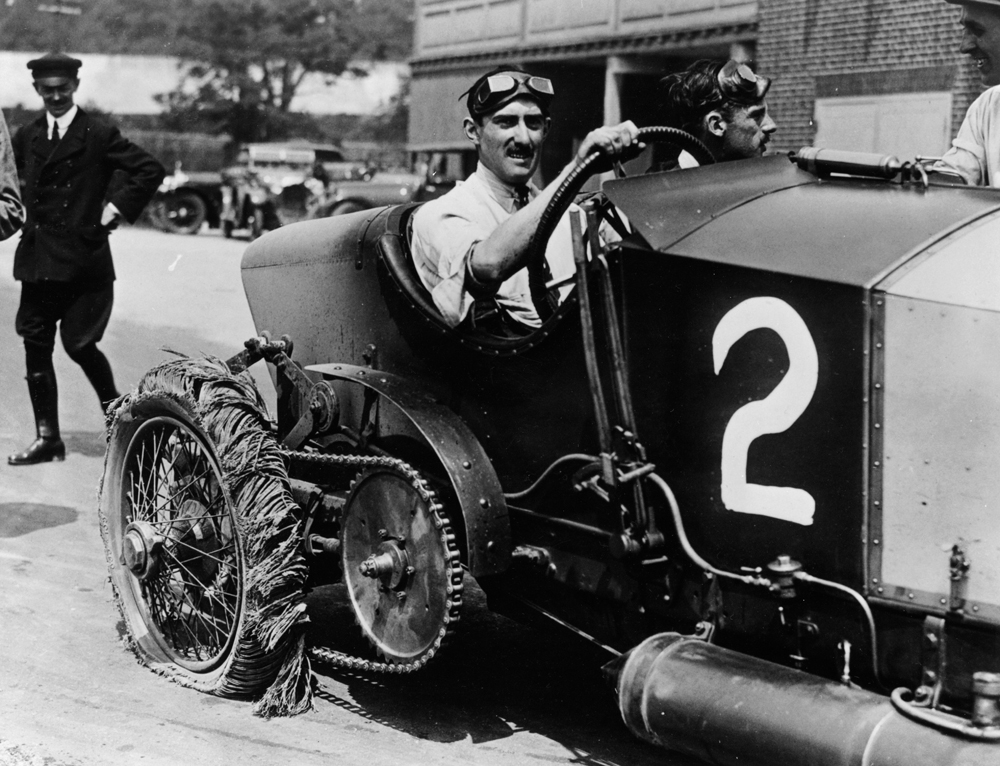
382, 188
187, 201
264, 188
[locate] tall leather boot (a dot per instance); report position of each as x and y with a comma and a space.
98, 371
45, 402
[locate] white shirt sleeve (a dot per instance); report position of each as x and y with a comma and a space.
971, 150
442, 242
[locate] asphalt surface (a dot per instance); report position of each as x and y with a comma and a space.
71, 695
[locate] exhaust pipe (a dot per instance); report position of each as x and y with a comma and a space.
731, 709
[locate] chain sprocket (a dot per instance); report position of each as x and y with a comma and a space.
364, 466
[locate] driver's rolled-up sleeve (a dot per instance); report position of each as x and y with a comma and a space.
442, 243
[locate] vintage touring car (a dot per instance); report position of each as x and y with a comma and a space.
754, 456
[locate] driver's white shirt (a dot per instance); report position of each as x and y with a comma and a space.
445, 231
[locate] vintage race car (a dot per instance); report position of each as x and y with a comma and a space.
752, 456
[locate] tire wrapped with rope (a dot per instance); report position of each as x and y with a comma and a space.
203, 538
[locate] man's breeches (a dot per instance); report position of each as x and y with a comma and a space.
82, 314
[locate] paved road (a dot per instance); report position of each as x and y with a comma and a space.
71, 695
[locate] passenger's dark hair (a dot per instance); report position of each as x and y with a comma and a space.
687, 96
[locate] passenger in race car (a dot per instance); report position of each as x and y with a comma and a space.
722, 104
473, 242
975, 152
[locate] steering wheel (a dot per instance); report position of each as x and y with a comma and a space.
544, 300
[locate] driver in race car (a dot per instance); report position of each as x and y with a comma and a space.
473, 242
722, 104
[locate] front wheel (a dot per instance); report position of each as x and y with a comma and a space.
203, 539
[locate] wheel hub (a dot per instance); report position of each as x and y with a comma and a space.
142, 546
389, 564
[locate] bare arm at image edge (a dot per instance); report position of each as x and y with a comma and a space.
976, 150
11, 209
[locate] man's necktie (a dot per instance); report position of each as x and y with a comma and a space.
55, 132
521, 197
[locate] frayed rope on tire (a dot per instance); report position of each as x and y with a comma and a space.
230, 410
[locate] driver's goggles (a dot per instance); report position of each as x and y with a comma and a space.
738, 83
498, 88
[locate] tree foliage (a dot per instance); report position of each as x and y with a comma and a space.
242, 60
247, 58
105, 26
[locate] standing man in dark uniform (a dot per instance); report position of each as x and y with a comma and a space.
66, 160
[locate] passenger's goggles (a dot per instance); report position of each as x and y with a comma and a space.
739, 84
497, 89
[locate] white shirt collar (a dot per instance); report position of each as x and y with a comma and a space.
63, 122
502, 192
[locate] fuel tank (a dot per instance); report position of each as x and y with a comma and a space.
314, 281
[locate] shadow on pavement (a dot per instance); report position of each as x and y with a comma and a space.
495, 678
86, 443
18, 519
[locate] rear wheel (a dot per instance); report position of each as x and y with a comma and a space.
202, 538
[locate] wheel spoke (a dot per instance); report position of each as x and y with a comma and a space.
168, 502
193, 601
198, 551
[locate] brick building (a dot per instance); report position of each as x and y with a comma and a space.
604, 57
869, 75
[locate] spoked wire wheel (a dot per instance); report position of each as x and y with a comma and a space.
180, 546
203, 539
400, 564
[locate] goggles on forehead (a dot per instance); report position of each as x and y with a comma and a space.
499, 88
738, 83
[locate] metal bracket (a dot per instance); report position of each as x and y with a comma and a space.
959, 579
934, 662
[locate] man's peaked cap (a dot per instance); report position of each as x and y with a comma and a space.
54, 65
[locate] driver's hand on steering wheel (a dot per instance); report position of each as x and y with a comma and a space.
617, 143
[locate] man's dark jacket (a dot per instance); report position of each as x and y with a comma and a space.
64, 191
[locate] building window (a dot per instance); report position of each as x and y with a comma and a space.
903, 124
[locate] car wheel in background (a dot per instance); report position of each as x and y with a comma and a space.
183, 213
256, 223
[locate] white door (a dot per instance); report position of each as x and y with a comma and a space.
903, 124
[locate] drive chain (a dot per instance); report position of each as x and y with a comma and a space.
335, 658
